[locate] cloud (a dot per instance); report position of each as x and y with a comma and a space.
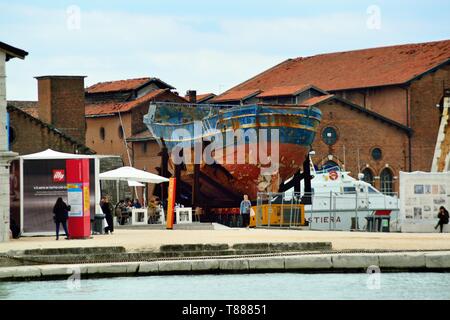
207, 53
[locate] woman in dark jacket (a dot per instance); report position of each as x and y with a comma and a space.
443, 218
61, 213
104, 204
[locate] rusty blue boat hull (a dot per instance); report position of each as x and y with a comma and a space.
292, 127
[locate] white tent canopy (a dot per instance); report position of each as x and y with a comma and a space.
52, 154
132, 174
135, 184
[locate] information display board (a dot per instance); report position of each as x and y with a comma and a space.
421, 196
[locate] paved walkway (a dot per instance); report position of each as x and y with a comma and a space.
141, 240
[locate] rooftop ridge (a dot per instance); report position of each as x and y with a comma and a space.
372, 48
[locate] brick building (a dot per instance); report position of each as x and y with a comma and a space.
105, 118
114, 120
55, 121
379, 105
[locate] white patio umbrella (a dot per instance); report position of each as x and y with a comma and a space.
132, 183
132, 174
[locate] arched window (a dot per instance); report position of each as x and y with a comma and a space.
376, 154
120, 131
102, 133
144, 147
368, 176
329, 135
386, 180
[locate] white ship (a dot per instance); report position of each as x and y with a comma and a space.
341, 202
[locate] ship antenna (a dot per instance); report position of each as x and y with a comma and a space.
343, 149
311, 164
359, 165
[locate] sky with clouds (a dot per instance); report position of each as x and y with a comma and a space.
206, 45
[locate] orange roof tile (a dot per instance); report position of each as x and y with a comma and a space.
352, 69
205, 96
119, 85
202, 96
315, 100
105, 108
30, 107
236, 95
283, 91
141, 136
123, 85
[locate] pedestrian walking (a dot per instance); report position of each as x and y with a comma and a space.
60, 216
245, 211
106, 208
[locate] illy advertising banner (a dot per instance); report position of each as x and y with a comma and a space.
43, 182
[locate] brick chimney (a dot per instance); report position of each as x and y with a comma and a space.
61, 104
192, 96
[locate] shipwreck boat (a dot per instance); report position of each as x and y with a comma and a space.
239, 149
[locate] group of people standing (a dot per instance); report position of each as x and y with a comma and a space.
61, 213
123, 209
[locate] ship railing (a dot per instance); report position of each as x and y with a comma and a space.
329, 169
350, 211
216, 108
204, 106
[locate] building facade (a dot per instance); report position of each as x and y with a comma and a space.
55, 121
114, 121
7, 52
400, 86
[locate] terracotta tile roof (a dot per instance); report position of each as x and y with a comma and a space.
30, 107
236, 95
283, 91
315, 100
352, 69
123, 85
106, 108
205, 96
141, 136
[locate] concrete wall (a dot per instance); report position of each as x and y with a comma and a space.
4, 172
339, 262
3, 136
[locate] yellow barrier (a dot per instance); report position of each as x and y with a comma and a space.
294, 215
